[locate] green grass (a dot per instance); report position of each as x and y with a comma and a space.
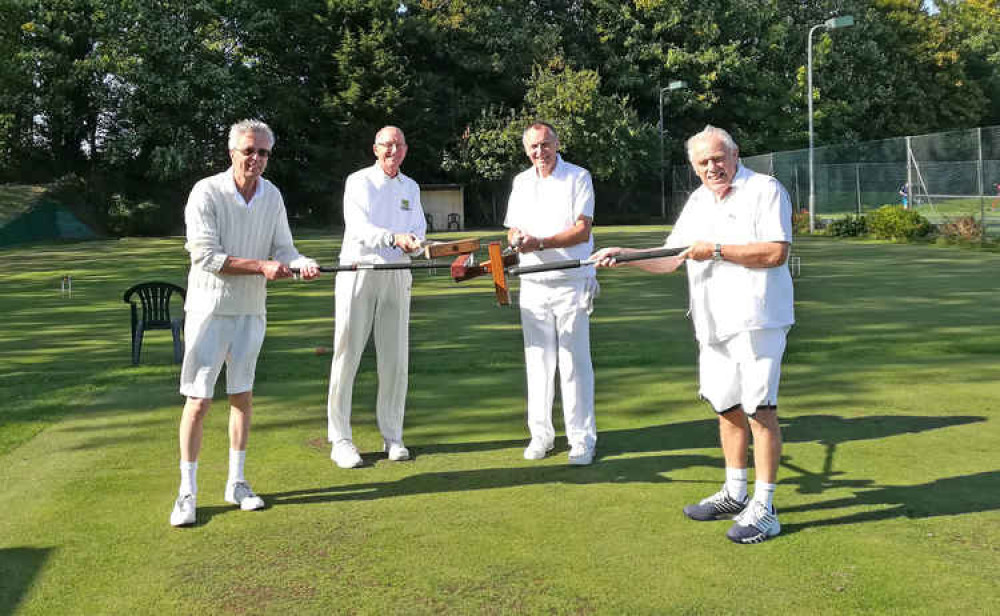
889, 486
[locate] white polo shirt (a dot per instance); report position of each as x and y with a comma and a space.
727, 298
376, 206
543, 207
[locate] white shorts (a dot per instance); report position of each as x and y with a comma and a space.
743, 370
211, 340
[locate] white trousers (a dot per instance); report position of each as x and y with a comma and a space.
364, 299
555, 319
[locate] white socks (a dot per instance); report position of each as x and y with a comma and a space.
236, 462
736, 483
764, 493
189, 478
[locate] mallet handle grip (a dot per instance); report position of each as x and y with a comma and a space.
354, 267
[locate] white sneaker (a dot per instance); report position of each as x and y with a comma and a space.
239, 493
581, 455
345, 454
396, 450
537, 449
184, 511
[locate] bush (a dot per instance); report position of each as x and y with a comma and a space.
126, 218
892, 222
963, 229
848, 226
800, 222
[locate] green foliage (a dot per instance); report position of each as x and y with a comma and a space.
893, 222
126, 218
849, 226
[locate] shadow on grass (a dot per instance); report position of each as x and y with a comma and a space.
948, 496
18, 569
648, 469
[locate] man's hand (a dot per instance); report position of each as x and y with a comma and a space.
605, 257
701, 251
308, 269
273, 270
407, 242
524, 242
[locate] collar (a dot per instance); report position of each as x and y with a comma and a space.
236, 189
381, 175
555, 169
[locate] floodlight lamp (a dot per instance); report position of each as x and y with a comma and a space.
676, 85
844, 21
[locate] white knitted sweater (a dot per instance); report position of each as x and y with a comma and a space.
221, 224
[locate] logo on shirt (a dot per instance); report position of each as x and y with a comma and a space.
404, 204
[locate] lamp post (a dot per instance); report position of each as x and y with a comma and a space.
833, 23
673, 85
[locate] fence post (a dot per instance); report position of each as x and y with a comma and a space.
857, 181
982, 183
910, 197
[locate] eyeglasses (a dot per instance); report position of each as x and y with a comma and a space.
389, 144
260, 152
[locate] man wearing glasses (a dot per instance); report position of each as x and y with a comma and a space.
238, 237
549, 216
383, 222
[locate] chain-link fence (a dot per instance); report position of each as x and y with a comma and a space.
944, 176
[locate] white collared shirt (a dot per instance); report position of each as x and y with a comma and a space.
727, 298
376, 206
545, 206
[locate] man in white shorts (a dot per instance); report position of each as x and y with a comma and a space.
549, 217
383, 221
238, 237
738, 225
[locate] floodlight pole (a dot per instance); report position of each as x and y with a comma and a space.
673, 85
833, 23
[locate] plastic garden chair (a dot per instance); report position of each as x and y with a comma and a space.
152, 311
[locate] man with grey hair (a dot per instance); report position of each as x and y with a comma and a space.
383, 222
738, 226
238, 238
549, 217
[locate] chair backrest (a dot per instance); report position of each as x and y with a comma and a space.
155, 300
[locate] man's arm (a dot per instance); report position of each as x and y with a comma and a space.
755, 254
606, 257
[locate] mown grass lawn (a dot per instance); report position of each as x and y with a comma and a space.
889, 487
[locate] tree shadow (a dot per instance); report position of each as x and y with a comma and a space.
947, 496
18, 569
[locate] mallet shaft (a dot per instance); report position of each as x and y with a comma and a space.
658, 253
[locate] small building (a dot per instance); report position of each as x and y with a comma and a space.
444, 206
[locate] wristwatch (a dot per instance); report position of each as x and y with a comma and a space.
392, 239
541, 244
717, 253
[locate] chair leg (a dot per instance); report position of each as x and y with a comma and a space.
176, 328
137, 343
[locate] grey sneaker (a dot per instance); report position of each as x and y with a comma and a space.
239, 493
755, 524
184, 511
717, 506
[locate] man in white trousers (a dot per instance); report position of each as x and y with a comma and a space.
238, 238
738, 225
549, 216
383, 221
